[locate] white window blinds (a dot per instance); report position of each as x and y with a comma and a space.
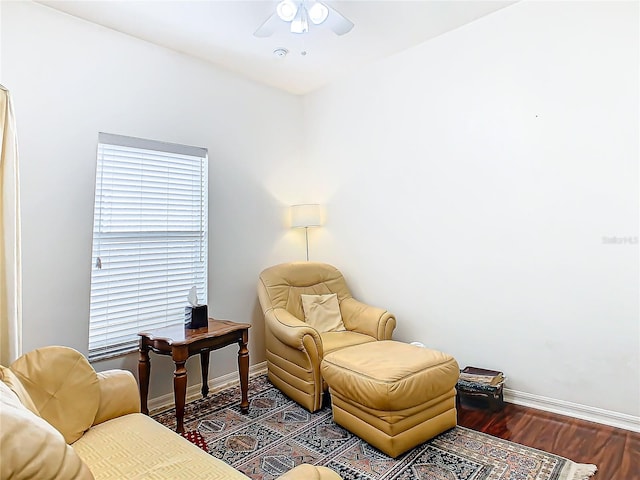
149, 239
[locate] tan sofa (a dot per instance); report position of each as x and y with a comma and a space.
294, 348
59, 419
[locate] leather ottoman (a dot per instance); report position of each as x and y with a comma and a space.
393, 395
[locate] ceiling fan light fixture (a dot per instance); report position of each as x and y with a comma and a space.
301, 14
318, 13
287, 10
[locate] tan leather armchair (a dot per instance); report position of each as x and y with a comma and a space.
294, 348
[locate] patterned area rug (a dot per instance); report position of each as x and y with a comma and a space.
277, 434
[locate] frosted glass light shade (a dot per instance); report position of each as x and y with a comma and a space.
307, 215
318, 13
287, 10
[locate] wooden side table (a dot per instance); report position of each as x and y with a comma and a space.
181, 343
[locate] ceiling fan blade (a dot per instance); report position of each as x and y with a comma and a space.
268, 27
338, 22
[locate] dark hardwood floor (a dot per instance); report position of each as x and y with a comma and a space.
616, 452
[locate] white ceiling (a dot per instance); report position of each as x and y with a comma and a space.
221, 32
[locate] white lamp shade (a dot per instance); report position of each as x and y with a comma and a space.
307, 215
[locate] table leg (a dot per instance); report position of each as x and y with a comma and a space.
144, 368
180, 386
204, 366
243, 369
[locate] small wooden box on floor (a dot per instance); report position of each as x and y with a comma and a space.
393, 395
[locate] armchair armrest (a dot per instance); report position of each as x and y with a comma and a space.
118, 395
292, 331
363, 318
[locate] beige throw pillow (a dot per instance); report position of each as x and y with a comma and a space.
63, 386
322, 312
31, 448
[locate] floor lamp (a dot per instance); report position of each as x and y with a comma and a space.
305, 216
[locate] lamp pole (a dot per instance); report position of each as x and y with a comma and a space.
305, 216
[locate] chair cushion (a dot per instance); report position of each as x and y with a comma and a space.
31, 448
63, 386
322, 312
282, 285
336, 340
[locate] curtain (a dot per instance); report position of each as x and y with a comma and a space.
10, 256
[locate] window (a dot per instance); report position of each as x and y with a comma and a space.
149, 239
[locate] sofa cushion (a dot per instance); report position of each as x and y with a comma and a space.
63, 386
322, 312
31, 448
137, 447
10, 380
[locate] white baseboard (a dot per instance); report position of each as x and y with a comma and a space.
576, 410
561, 407
164, 402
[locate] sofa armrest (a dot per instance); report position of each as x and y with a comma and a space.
118, 395
363, 318
310, 472
292, 331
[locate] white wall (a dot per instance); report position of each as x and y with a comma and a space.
469, 183
69, 80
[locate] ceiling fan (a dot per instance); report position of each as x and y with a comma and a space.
299, 13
